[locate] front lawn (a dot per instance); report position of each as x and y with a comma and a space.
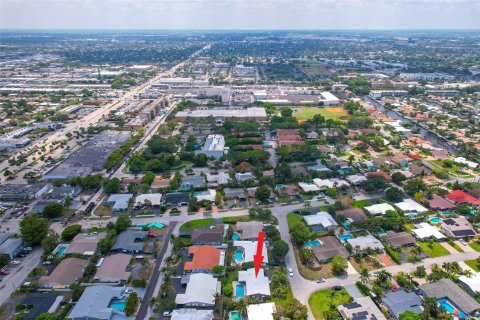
361, 204
475, 245
196, 224
294, 219
319, 301
437, 250
472, 264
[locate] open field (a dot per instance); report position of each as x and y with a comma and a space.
314, 69
307, 113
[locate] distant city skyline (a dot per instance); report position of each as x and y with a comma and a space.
239, 14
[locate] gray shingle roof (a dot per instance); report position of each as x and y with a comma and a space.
94, 303
127, 241
401, 301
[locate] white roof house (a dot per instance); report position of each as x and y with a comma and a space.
356, 179
254, 286
206, 195
322, 219
250, 249
366, 242
466, 162
154, 198
308, 187
200, 292
427, 231
472, 284
262, 311
330, 183
409, 205
192, 314
379, 208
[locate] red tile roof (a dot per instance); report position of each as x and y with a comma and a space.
438, 202
204, 257
460, 196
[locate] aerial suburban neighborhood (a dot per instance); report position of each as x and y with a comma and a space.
239, 175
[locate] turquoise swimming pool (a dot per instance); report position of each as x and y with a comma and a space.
117, 304
346, 224
346, 236
236, 236
238, 256
313, 243
235, 315
239, 291
435, 220
447, 306
60, 250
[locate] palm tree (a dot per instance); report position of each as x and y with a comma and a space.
242, 306
333, 294
468, 273
364, 275
383, 276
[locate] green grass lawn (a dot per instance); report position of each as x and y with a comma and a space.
436, 251
308, 113
196, 224
475, 245
319, 301
294, 219
472, 264
453, 244
451, 170
361, 204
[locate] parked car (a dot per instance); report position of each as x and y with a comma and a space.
320, 280
462, 241
15, 262
4, 272
290, 272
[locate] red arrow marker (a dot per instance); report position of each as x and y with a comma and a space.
258, 258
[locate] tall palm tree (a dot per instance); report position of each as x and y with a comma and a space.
383, 276
242, 306
468, 273
364, 275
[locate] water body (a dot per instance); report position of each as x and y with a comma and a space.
424, 132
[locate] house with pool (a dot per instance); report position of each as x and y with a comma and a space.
248, 230
245, 250
250, 285
320, 221
200, 291
328, 248
100, 303
451, 298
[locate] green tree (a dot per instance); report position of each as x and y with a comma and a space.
131, 304
200, 160
393, 194
398, 177
409, 315
33, 229
331, 192
339, 265
280, 249
50, 242
123, 222
53, 210
286, 112
71, 231
148, 178
112, 186
262, 193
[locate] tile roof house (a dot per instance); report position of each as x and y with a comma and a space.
352, 214
95, 303
249, 230
299, 171
397, 240
397, 302
457, 228
439, 203
417, 170
204, 258
330, 248
67, 272
208, 236
363, 306
200, 292
287, 190
447, 289
459, 196
130, 241
379, 173
113, 268
85, 244
255, 286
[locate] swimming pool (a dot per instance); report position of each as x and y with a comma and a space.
313, 243
346, 224
236, 236
344, 237
60, 249
447, 306
435, 220
266, 144
117, 304
239, 291
235, 315
238, 256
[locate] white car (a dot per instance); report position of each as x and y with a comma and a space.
290, 272
462, 241
15, 262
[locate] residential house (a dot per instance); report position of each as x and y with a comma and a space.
410, 206
287, 190
191, 314
40, 302
152, 199
212, 236
68, 271
131, 241
457, 228
365, 243
235, 193
119, 201
208, 195
177, 199
471, 284
242, 177
113, 268
459, 196
261, 311
200, 292
161, 183
397, 240
10, 246
85, 243
361, 308
255, 286
320, 221
204, 258
425, 231
352, 214
439, 203
330, 248
379, 208
188, 183
249, 230
398, 302
249, 249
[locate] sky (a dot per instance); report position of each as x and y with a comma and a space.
240, 14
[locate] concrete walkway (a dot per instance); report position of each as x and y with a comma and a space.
449, 248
